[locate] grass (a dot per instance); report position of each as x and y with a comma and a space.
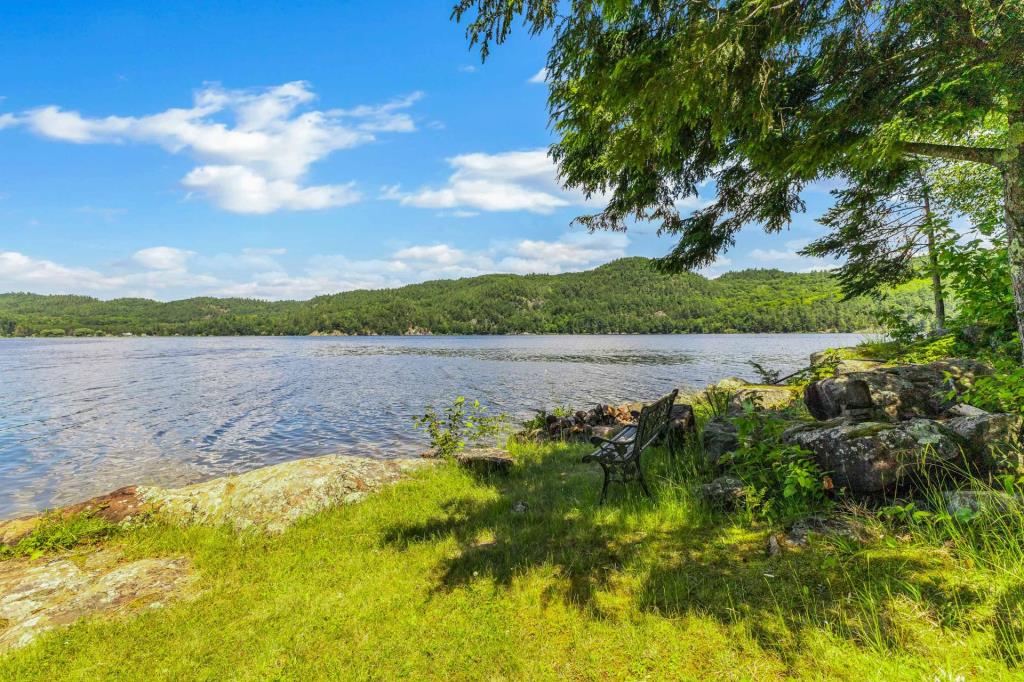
59, 532
437, 578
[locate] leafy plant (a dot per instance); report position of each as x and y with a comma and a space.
782, 481
716, 400
459, 424
767, 376
1002, 391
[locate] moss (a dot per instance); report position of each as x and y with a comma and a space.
868, 429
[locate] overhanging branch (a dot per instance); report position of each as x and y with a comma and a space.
953, 152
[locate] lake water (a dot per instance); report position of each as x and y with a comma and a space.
81, 417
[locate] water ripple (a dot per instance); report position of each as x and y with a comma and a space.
79, 417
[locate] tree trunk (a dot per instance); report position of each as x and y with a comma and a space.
933, 260
1013, 183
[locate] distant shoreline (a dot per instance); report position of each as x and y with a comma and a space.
437, 336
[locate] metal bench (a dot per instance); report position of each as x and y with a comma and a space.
619, 456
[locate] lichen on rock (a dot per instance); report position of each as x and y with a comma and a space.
40, 595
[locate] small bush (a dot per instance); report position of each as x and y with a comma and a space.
461, 423
782, 481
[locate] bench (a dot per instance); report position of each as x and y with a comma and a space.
619, 456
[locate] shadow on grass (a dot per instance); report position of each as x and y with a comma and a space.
674, 558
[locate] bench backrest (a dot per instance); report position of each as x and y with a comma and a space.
653, 420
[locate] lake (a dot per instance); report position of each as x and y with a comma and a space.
81, 417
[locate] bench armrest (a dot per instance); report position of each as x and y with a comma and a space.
597, 440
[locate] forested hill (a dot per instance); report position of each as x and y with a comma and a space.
626, 295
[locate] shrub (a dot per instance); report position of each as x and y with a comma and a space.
782, 481
460, 423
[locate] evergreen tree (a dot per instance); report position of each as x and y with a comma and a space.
652, 98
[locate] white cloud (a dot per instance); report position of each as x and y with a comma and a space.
7, 121
508, 181
255, 147
442, 254
163, 258
791, 259
468, 68
539, 77
572, 252
773, 255
21, 272
166, 272
240, 190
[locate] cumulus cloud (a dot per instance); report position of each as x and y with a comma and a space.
539, 77
507, 181
21, 272
241, 190
437, 253
163, 258
7, 121
790, 259
255, 147
167, 272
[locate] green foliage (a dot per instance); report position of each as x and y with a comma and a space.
980, 277
715, 401
58, 532
1002, 391
628, 295
766, 375
460, 424
782, 482
651, 100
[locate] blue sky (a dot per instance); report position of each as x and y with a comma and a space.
284, 150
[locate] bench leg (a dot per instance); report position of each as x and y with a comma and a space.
643, 483
604, 486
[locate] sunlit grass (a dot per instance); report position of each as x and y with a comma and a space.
438, 578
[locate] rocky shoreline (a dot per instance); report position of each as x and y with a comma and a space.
876, 429
269, 498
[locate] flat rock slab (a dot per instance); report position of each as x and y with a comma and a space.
270, 499
486, 460
40, 595
275, 497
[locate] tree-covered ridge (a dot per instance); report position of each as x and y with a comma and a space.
627, 296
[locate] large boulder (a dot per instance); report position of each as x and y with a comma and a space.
872, 457
719, 437
904, 392
991, 440
682, 422
763, 397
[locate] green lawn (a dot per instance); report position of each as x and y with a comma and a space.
438, 578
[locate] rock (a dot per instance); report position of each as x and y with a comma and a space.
801, 531
485, 460
872, 457
520, 507
731, 384
120, 507
992, 441
607, 432
36, 596
843, 361
978, 501
851, 365
964, 410
720, 436
903, 392
681, 423
723, 492
274, 497
763, 397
